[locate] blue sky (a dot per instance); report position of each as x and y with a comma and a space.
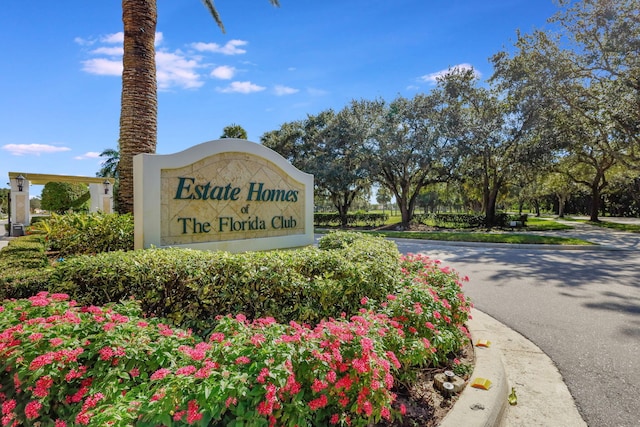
60, 85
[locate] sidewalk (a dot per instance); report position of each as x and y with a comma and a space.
512, 361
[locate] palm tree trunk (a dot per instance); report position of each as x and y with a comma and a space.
138, 116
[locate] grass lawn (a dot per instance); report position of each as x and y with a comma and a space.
632, 228
462, 236
533, 224
539, 224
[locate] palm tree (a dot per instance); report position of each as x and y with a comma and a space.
139, 104
109, 167
234, 131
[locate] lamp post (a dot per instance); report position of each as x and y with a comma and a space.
106, 184
20, 181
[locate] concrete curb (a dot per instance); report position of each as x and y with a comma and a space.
477, 407
512, 360
595, 247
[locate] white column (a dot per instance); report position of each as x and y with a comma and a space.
20, 213
101, 198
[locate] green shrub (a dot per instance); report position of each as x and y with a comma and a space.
191, 287
80, 233
24, 267
332, 219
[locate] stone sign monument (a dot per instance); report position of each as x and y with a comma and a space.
229, 194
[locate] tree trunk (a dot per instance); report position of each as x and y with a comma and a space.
139, 103
561, 203
490, 210
595, 203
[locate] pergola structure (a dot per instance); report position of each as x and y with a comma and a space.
100, 189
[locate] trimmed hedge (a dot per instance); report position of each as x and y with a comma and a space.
333, 219
192, 287
456, 220
24, 267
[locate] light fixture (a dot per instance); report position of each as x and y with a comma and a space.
20, 182
106, 184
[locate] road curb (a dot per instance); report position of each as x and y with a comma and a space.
476, 407
594, 247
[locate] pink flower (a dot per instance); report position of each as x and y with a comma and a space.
186, 370
318, 385
262, 376
32, 410
243, 360
265, 407
106, 353
367, 407
364, 300
160, 374
60, 423
230, 401
193, 413
8, 406
135, 372
335, 418
391, 297
83, 418
258, 339
56, 342
429, 325
35, 336
385, 413
42, 360
217, 337
318, 403
43, 385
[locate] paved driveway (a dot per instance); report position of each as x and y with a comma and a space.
581, 307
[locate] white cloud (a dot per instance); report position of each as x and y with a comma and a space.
223, 72
103, 66
88, 155
433, 77
281, 90
316, 92
83, 42
33, 149
174, 69
241, 87
109, 51
113, 38
230, 48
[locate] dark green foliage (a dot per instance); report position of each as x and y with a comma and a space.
192, 287
24, 268
61, 196
353, 220
451, 220
454, 220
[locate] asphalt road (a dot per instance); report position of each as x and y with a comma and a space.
581, 307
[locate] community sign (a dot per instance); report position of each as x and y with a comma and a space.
230, 194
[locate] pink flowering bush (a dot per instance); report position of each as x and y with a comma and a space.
66, 365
